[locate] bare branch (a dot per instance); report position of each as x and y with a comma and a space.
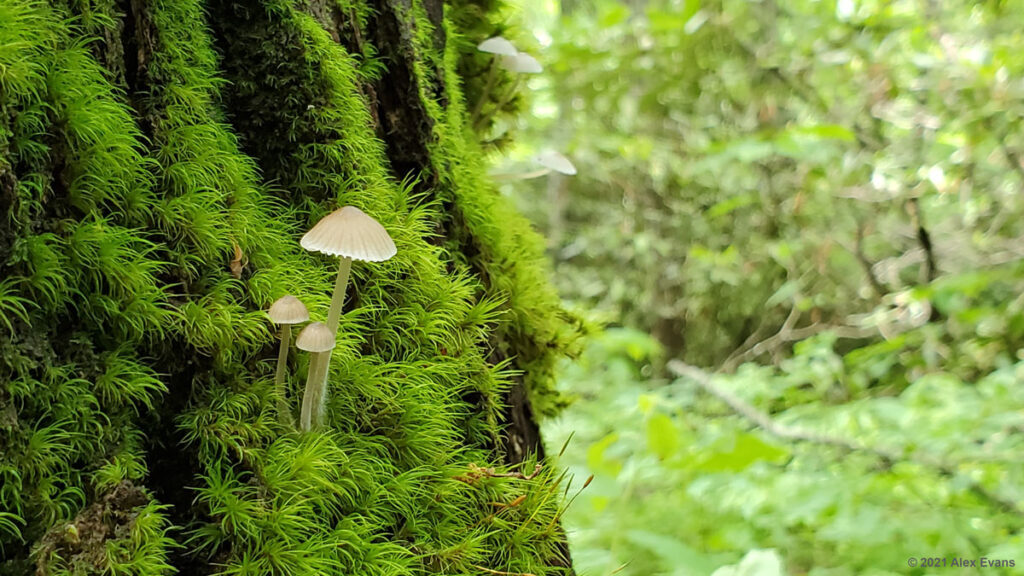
858, 252
763, 420
887, 457
751, 349
924, 239
789, 334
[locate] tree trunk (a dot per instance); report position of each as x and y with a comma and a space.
159, 161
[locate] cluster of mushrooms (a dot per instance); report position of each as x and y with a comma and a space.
349, 234
510, 58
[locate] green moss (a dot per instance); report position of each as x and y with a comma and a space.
134, 360
486, 227
500, 103
72, 384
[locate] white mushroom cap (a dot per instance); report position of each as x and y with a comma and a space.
316, 337
288, 310
522, 63
556, 162
349, 232
497, 45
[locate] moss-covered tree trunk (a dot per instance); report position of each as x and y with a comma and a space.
159, 161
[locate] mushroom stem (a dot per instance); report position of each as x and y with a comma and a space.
338, 298
492, 75
320, 363
283, 412
314, 394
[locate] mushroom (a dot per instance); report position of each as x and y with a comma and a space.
550, 160
557, 162
317, 339
511, 59
287, 310
497, 45
352, 235
522, 63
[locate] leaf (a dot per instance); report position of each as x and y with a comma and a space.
826, 132
662, 21
662, 436
735, 455
729, 204
673, 552
748, 150
596, 459
612, 15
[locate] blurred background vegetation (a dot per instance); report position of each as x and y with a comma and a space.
800, 223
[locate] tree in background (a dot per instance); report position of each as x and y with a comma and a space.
818, 203
159, 161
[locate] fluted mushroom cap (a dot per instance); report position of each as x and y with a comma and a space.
556, 162
497, 45
522, 63
349, 232
288, 310
316, 337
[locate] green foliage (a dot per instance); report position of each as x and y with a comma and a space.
682, 486
818, 202
745, 163
155, 206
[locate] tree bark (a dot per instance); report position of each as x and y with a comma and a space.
159, 160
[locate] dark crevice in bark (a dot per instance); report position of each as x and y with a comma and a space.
523, 437
16, 553
173, 464
407, 128
403, 121
343, 26
328, 14
8, 186
435, 13
137, 43
405, 124
113, 57
271, 90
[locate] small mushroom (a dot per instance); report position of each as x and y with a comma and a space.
522, 63
549, 160
317, 339
351, 235
557, 162
511, 59
287, 310
497, 45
